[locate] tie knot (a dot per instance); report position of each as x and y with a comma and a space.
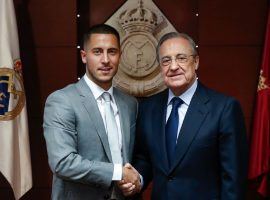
176, 102
106, 96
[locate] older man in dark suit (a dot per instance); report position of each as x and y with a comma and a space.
191, 140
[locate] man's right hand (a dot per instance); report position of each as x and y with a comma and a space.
130, 183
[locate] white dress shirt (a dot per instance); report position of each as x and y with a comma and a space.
182, 109
97, 92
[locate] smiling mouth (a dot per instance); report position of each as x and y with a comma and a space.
175, 75
105, 69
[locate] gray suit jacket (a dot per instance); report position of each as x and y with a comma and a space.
78, 149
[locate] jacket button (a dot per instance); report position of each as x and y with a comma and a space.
107, 196
170, 178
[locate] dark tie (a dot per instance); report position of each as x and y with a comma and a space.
172, 127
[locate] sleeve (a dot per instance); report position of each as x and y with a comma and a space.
61, 140
233, 150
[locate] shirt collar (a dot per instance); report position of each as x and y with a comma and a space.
186, 96
97, 90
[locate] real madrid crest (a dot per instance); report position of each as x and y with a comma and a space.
12, 97
140, 24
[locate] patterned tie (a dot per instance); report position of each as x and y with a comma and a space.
171, 128
112, 130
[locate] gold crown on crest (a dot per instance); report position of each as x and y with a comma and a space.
139, 19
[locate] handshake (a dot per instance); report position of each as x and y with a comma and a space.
130, 183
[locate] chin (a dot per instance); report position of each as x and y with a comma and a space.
176, 84
106, 80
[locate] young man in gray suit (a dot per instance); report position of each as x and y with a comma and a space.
89, 126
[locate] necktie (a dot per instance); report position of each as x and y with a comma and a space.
112, 131
172, 127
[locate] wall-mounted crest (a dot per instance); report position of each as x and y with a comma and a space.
140, 24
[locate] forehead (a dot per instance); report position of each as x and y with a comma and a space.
102, 40
175, 46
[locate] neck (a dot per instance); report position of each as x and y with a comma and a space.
180, 90
104, 85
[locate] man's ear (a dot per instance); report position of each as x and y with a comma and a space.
196, 62
83, 56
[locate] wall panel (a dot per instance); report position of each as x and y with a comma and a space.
230, 35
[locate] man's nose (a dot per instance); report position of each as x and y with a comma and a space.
174, 65
105, 58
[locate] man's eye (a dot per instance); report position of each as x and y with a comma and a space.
96, 52
181, 58
112, 52
166, 60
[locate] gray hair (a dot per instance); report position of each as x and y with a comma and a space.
171, 35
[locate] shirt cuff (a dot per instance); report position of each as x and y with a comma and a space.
117, 172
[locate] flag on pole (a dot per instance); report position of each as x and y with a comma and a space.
15, 162
259, 163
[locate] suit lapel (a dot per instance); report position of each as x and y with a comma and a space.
91, 107
194, 118
124, 124
158, 127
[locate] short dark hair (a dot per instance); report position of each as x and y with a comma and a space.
102, 29
171, 35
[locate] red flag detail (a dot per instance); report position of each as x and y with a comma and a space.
259, 163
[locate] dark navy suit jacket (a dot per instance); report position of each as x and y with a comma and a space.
211, 154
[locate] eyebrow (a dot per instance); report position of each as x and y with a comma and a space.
100, 48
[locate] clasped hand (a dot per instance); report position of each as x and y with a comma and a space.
130, 183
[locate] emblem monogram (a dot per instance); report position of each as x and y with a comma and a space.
12, 97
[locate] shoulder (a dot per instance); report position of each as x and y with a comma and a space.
214, 95
125, 97
216, 100
63, 94
60, 109
156, 98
